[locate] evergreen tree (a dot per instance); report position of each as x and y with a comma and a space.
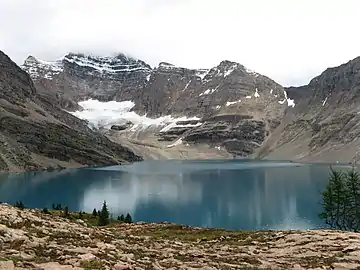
80, 215
66, 211
45, 211
104, 215
352, 218
122, 218
53, 206
341, 201
128, 218
94, 213
20, 205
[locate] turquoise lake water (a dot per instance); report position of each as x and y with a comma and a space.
235, 194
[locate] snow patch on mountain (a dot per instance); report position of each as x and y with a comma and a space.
230, 70
229, 103
187, 85
174, 123
177, 142
324, 102
166, 65
201, 73
252, 72
290, 102
105, 114
207, 92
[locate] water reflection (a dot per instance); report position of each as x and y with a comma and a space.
233, 195
125, 191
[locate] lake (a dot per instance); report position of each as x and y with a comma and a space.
235, 194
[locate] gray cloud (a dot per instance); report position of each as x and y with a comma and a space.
289, 41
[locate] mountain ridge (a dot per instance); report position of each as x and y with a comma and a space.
233, 103
36, 134
228, 89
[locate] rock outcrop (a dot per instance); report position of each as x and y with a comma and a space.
124, 126
324, 125
36, 133
30, 239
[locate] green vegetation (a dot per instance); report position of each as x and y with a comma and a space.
96, 218
341, 200
20, 205
189, 234
104, 216
128, 218
57, 207
66, 211
94, 264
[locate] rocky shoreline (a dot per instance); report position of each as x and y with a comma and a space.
30, 239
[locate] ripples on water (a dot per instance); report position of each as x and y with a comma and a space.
235, 194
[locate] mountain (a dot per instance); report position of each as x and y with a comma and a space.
78, 76
35, 133
324, 125
230, 106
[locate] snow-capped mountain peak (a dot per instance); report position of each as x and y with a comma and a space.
107, 64
42, 69
88, 64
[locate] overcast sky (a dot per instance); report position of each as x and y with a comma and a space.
290, 41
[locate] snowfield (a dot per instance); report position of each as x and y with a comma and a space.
105, 114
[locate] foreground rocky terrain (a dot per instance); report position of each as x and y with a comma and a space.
35, 133
30, 239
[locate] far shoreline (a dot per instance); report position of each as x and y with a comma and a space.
84, 166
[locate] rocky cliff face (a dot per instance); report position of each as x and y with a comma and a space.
324, 125
36, 133
235, 108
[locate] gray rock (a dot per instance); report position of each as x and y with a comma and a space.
127, 125
324, 125
7, 265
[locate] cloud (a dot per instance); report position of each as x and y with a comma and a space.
289, 41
